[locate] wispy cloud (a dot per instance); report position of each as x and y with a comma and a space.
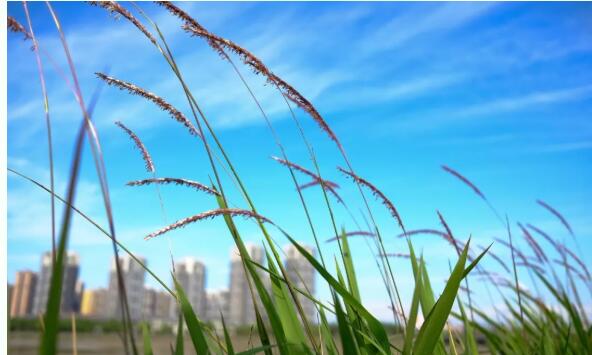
420, 21
565, 147
526, 101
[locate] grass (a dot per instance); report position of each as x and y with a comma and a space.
529, 325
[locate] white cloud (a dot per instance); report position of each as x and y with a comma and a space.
410, 25
565, 147
529, 100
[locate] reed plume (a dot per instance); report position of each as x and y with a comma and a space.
115, 9
220, 45
512, 248
160, 102
396, 255
352, 234
556, 214
15, 26
328, 185
529, 265
498, 259
140, 146
547, 237
577, 260
464, 180
450, 238
534, 245
377, 193
295, 166
233, 212
182, 182
572, 269
317, 180
423, 231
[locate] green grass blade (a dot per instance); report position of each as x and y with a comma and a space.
471, 347
272, 314
574, 316
193, 325
147, 341
350, 271
285, 308
345, 332
179, 345
352, 321
410, 328
263, 336
426, 296
326, 335
375, 326
431, 330
49, 336
229, 347
257, 350
475, 262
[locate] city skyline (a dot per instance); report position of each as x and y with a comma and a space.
149, 303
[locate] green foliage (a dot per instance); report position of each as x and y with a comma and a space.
83, 325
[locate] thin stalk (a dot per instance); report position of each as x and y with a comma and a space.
99, 166
47, 124
515, 274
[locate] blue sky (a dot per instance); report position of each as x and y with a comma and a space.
500, 92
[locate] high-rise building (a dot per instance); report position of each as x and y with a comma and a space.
78, 293
302, 275
94, 303
217, 304
191, 275
9, 298
240, 303
158, 305
70, 278
23, 293
133, 275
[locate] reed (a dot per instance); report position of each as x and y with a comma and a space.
232, 212
556, 214
177, 181
145, 155
157, 100
376, 192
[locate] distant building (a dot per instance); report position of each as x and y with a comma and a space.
191, 275
133, 275
70, 278
240, 303
9, 298
217, 304
78, 291
94, 303
302, 275
23, 294
158, 305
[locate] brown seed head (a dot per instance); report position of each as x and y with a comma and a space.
352, 234
139, 145
115, 9
136, 90
233, 212
15, 26
182, 182
377, 193
556, 214
464, 180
